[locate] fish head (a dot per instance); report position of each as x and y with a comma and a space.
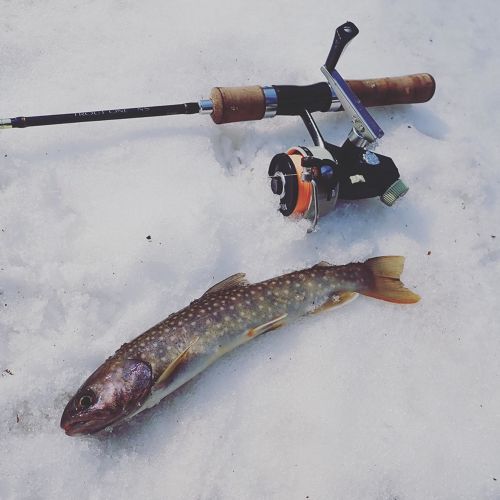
116, 389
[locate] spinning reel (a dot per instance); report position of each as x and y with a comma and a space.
310, 180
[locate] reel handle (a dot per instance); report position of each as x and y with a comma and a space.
237, 104
343, 36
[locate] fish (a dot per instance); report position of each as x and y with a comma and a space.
156, 363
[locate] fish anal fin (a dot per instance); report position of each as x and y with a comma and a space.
169, 370
266, 327
336, 300
237, 279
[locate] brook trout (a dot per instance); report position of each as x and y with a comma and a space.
145, 370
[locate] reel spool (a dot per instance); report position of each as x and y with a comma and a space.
306, 180
309, 180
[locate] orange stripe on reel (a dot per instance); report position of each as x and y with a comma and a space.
304, 188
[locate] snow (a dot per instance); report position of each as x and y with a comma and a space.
374, 400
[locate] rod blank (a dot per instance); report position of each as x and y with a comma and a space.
103, 115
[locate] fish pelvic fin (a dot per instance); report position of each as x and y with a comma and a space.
386, 285
174, 364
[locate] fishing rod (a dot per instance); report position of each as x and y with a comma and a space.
308, 180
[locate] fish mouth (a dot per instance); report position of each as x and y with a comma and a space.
84, 427
80, 426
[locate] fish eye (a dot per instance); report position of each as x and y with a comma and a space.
86, 401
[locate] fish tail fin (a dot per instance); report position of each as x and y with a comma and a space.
386, 284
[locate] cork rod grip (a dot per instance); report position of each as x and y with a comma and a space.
394, 90
238, 104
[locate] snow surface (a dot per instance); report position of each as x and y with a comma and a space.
373, 401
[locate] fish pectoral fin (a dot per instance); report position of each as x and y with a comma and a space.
336, 300
266, 327
234, 280
175, 363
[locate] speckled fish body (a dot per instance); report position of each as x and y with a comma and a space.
229, 314
221, 320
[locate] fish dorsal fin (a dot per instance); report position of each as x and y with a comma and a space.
323, 263
234, 280
175, 363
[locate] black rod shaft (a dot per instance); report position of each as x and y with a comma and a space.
188, 108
